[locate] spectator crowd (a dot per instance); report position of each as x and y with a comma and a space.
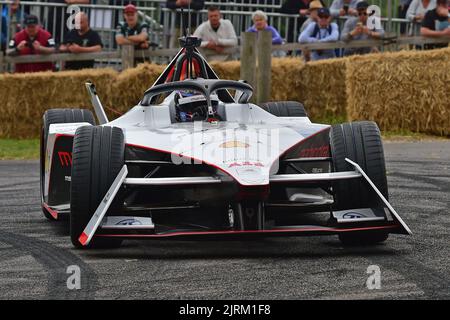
23, 34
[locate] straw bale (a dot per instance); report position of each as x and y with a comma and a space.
25, 97
130, 85
402, 91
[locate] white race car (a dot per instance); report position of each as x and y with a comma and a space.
196, 159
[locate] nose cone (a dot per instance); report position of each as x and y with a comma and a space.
247, 153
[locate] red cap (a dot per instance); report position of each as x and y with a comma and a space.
130, 8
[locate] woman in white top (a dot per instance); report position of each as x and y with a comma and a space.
416, 13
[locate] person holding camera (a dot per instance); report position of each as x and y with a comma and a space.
31, 41
82, 40
341, 8
356, 28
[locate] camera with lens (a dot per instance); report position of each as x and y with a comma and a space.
190, 42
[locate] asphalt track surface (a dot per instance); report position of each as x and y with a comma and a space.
35, 253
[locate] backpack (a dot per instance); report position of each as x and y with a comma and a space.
317, 30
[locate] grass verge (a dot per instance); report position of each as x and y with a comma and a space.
19, 149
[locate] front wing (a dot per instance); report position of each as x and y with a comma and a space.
354, 220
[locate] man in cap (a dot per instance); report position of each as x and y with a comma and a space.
321, 31
314, 7
299, 7
131, 31
30, 41
356, 28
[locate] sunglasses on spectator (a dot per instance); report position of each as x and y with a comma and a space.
322, 16
362, 13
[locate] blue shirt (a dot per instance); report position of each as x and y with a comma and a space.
276, 38
5, 21
324, 35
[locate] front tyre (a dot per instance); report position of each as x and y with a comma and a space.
98, 156
360, 142
54, 116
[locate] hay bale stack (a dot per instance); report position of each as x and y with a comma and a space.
322, 88
130, 85
25, 97
286, 79
319, 85
402, 90
229, 70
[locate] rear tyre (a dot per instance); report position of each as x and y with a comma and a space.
285, 108
54, 116
98, 156
361, 143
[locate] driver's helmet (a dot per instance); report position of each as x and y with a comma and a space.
192, 106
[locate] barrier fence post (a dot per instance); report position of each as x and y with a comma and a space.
390, 14
127, 56
248, 59
264, 49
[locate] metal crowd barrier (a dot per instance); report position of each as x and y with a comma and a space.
163, 21
151, 55
242, 20
103, 19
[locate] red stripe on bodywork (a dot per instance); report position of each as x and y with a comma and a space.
52, 212
299, 230
57, 136
301, 142
83, 238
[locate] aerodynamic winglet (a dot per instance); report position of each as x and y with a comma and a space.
98, 215
96, 103
396, 215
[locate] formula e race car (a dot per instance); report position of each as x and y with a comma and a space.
195, 159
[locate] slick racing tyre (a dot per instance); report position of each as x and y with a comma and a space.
361, 143
285, 108
54, 116
98, 156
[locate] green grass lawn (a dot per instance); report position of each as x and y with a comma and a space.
19, 149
